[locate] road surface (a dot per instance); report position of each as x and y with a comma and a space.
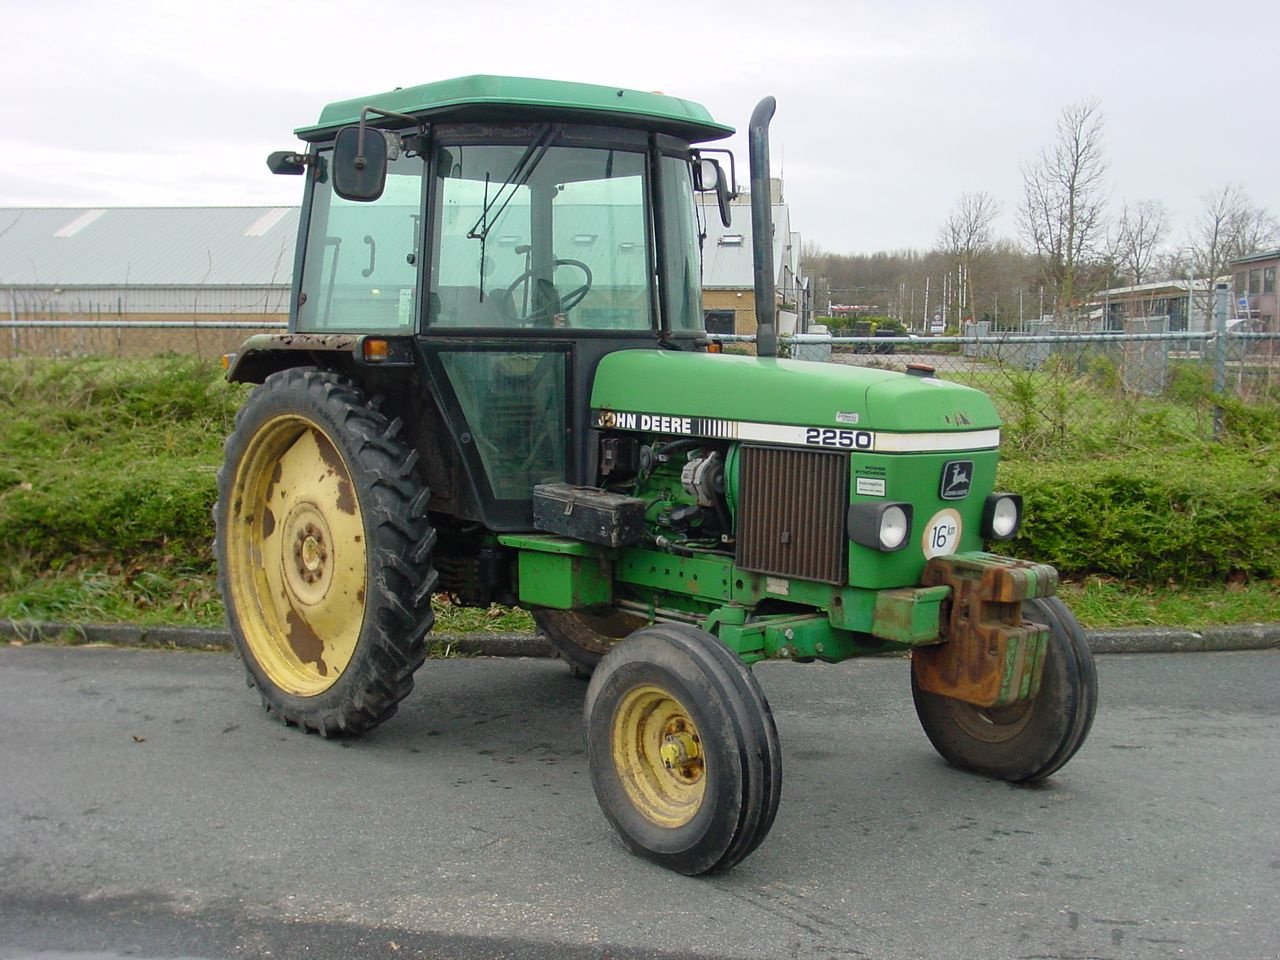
148, 808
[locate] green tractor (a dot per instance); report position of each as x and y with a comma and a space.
497, 386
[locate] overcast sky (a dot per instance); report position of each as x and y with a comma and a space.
887, 111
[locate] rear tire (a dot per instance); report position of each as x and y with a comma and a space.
581, 637
324, 553
1025, 741
683, 751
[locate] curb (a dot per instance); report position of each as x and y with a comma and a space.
1249, 636
218, 638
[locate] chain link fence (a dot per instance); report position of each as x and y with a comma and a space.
207, 339
1053, 389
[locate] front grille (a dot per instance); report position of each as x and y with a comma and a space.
791, 513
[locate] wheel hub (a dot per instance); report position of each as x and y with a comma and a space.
310, 552
308, 558
681, 751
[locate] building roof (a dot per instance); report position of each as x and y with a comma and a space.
1255, 257
254, 246
1178, 286
147, 246
727, 262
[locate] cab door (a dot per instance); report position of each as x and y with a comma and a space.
539, 263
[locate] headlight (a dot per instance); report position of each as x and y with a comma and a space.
880, 526
1001, 516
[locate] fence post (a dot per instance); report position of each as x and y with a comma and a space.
1220, 307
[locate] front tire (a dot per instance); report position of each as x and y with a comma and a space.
1030, 740
324, 553
683, 751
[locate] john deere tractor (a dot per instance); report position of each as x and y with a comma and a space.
497, 385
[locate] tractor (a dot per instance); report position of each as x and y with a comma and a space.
496, 385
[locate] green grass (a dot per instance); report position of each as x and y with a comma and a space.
1098, 602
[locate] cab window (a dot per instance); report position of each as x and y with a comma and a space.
360, 269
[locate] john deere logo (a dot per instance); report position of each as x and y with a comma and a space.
957, 475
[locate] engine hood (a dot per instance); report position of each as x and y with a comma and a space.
792, 392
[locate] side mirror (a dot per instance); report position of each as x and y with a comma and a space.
359, 167
707, 175
287, 161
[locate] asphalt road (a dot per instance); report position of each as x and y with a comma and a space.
149, 809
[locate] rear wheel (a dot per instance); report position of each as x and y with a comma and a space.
324, 552
1029, 740
683, 751
581, 638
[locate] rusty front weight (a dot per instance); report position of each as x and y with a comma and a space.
991, 657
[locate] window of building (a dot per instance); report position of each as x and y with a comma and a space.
1255, 282
1269, 280
719, 321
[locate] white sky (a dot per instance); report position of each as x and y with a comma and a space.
887, 111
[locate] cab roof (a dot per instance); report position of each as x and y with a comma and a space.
491, 98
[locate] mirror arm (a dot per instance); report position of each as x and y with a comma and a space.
290, 161
360, 161
733, 169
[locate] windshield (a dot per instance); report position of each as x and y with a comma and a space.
541, 236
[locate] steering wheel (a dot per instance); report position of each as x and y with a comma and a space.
546, 301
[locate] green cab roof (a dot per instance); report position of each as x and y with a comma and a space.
483, 97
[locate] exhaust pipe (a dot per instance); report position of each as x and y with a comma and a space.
762, 226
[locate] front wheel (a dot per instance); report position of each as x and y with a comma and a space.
683, 751
324, 552
1029, 740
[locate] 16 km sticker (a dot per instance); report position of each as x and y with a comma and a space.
942, 534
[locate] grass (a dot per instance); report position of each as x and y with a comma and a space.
1099, 602
107, 477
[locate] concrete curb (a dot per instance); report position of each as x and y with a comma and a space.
218, 638
1250, 636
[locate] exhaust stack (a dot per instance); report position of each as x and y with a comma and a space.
762, 227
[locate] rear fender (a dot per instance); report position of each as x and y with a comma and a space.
266, 353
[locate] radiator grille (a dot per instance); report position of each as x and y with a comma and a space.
791, 513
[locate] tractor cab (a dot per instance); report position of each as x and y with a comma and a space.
506, 249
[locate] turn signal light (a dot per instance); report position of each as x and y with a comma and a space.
1001, 516
376, 350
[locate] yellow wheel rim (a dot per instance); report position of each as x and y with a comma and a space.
658, 755
296, 556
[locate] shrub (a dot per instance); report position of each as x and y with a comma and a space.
1201, 516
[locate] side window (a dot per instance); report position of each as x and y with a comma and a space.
682, 287
360, 268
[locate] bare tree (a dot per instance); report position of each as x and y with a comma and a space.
1230, 226
965, 237
1136, 239
1063, 205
